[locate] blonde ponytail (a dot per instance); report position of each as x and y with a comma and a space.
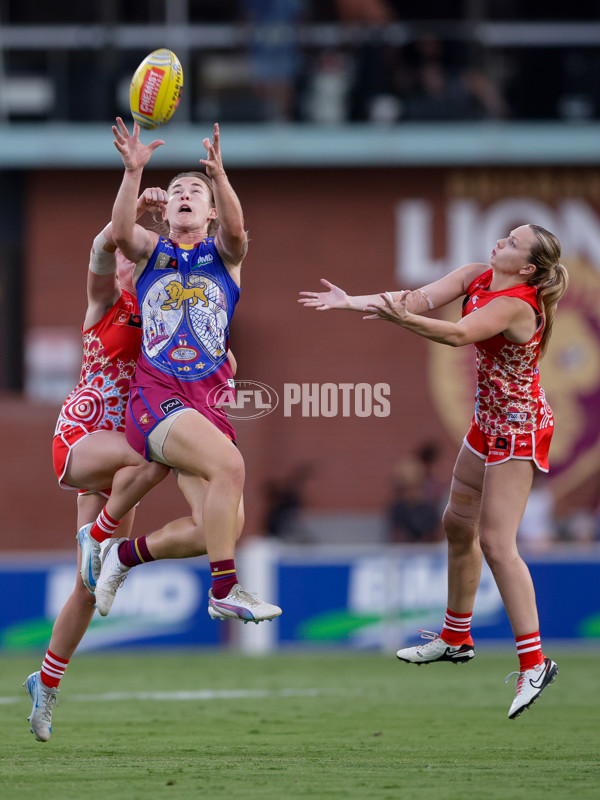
550, 277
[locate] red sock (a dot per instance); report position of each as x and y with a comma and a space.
529, 650
223, 577
53, 668
132, 553
104, 527
457, 628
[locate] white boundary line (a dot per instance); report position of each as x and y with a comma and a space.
199, 694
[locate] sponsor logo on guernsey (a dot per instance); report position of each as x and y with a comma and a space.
202, 260
122, 317
163, 261
517, 416
170, 405
125, 317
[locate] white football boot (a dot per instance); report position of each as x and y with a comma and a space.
240, 604
44, 699
530, 684
90, 557
112, 575
436, 650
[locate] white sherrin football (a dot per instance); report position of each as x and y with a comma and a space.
156, 88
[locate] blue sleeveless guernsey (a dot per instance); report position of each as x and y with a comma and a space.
186, 298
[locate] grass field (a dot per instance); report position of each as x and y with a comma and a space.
221, 725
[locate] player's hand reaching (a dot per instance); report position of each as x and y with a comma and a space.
135, 155
213, 161
388, 309
323, 301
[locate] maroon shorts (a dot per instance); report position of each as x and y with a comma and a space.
147, 407
532, 446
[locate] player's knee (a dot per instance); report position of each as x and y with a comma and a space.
232, 472
459, 527
496, 551
157, 472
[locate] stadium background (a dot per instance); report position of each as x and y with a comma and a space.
344, 172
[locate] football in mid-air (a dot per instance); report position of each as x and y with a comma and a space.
156, 88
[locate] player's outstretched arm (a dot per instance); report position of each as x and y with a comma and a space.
231, 238
418, 301
135, 242
337, 298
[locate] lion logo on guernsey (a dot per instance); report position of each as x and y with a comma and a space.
179, 294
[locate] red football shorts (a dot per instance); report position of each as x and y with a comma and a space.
62, 444
532, 446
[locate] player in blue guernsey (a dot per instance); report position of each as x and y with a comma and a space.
187, 298
187, 285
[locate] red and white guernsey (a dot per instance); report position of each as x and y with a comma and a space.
509, 397
110, 351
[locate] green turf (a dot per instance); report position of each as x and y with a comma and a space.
373, 728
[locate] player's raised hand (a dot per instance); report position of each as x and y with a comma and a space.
135, 155
334, 297
213, 161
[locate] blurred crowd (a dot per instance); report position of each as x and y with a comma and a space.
417, 496
328, 61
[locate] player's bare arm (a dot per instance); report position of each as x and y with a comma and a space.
231, 238
508, 315
103, 288
418, 301
133, 240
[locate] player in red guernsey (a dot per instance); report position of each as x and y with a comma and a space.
89, 449
508, 314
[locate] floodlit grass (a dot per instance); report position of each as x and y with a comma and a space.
341, 725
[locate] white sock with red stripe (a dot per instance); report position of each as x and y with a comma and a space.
104, 527
53, 668
457, 628
529, 650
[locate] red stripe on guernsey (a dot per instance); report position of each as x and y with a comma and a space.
529, 650
53, 669
457, 628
